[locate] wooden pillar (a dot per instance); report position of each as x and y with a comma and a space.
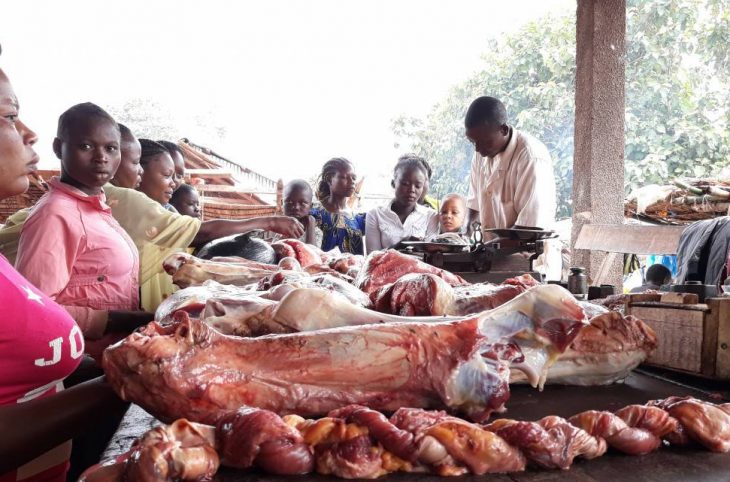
279, 197
598, 162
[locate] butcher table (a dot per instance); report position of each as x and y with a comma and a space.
526, 403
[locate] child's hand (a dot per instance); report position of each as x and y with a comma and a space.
311, 223
286, 226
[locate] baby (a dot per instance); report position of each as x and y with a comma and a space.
452, 214
297, 204
186, 200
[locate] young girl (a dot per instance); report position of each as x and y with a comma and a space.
297, 204
71, 247
158, 178
178, 159
340, 227
402, 218
40, 345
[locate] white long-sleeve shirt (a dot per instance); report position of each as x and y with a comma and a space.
383, 227
515, 187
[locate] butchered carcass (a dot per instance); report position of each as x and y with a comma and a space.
190, 370
604, 352
187, 270
384, 267
305, 253
426, 294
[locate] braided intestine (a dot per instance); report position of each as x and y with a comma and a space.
358, 442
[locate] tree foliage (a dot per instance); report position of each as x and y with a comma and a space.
677, 96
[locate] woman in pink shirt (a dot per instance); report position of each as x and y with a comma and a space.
71, 247
40, 345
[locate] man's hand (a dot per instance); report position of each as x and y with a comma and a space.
471, 218
286, 226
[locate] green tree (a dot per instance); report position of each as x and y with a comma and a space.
677, 96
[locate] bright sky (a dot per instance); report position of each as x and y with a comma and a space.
292, 82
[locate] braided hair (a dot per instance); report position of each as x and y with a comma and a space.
171, 147
330, 168
150, 149
411, 161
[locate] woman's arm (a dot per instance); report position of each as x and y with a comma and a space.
33, 428
372, 232
217, 228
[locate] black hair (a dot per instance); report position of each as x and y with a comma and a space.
486, 110
297, 184
658, 274
171, 147
329, 169
183, 189
82, 113
150, 149
411, 161
126, 133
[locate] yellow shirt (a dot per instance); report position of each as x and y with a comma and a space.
156, 232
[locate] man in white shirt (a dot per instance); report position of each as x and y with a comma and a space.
511, 182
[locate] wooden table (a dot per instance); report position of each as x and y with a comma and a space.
526, 403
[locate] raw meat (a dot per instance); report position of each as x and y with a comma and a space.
385, 267
699, 421
187, 270
485, 296
305, 253
356, 442
192, 371
549, 443
345, 262
299, 310
250, 437
194, 298
604, 352
617, 433
414, 294
426, 294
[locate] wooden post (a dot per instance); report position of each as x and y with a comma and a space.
280, 196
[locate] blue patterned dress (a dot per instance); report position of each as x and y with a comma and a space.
344, 230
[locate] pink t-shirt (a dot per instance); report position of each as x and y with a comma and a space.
73, 250
40, 345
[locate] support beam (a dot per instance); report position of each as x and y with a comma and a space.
598, 162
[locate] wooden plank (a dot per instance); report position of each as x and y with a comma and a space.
722, 363
679, 336
604, 271
656, 304
680, 298
209, 172
709, 339
227, 188
640, 297
627, 238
